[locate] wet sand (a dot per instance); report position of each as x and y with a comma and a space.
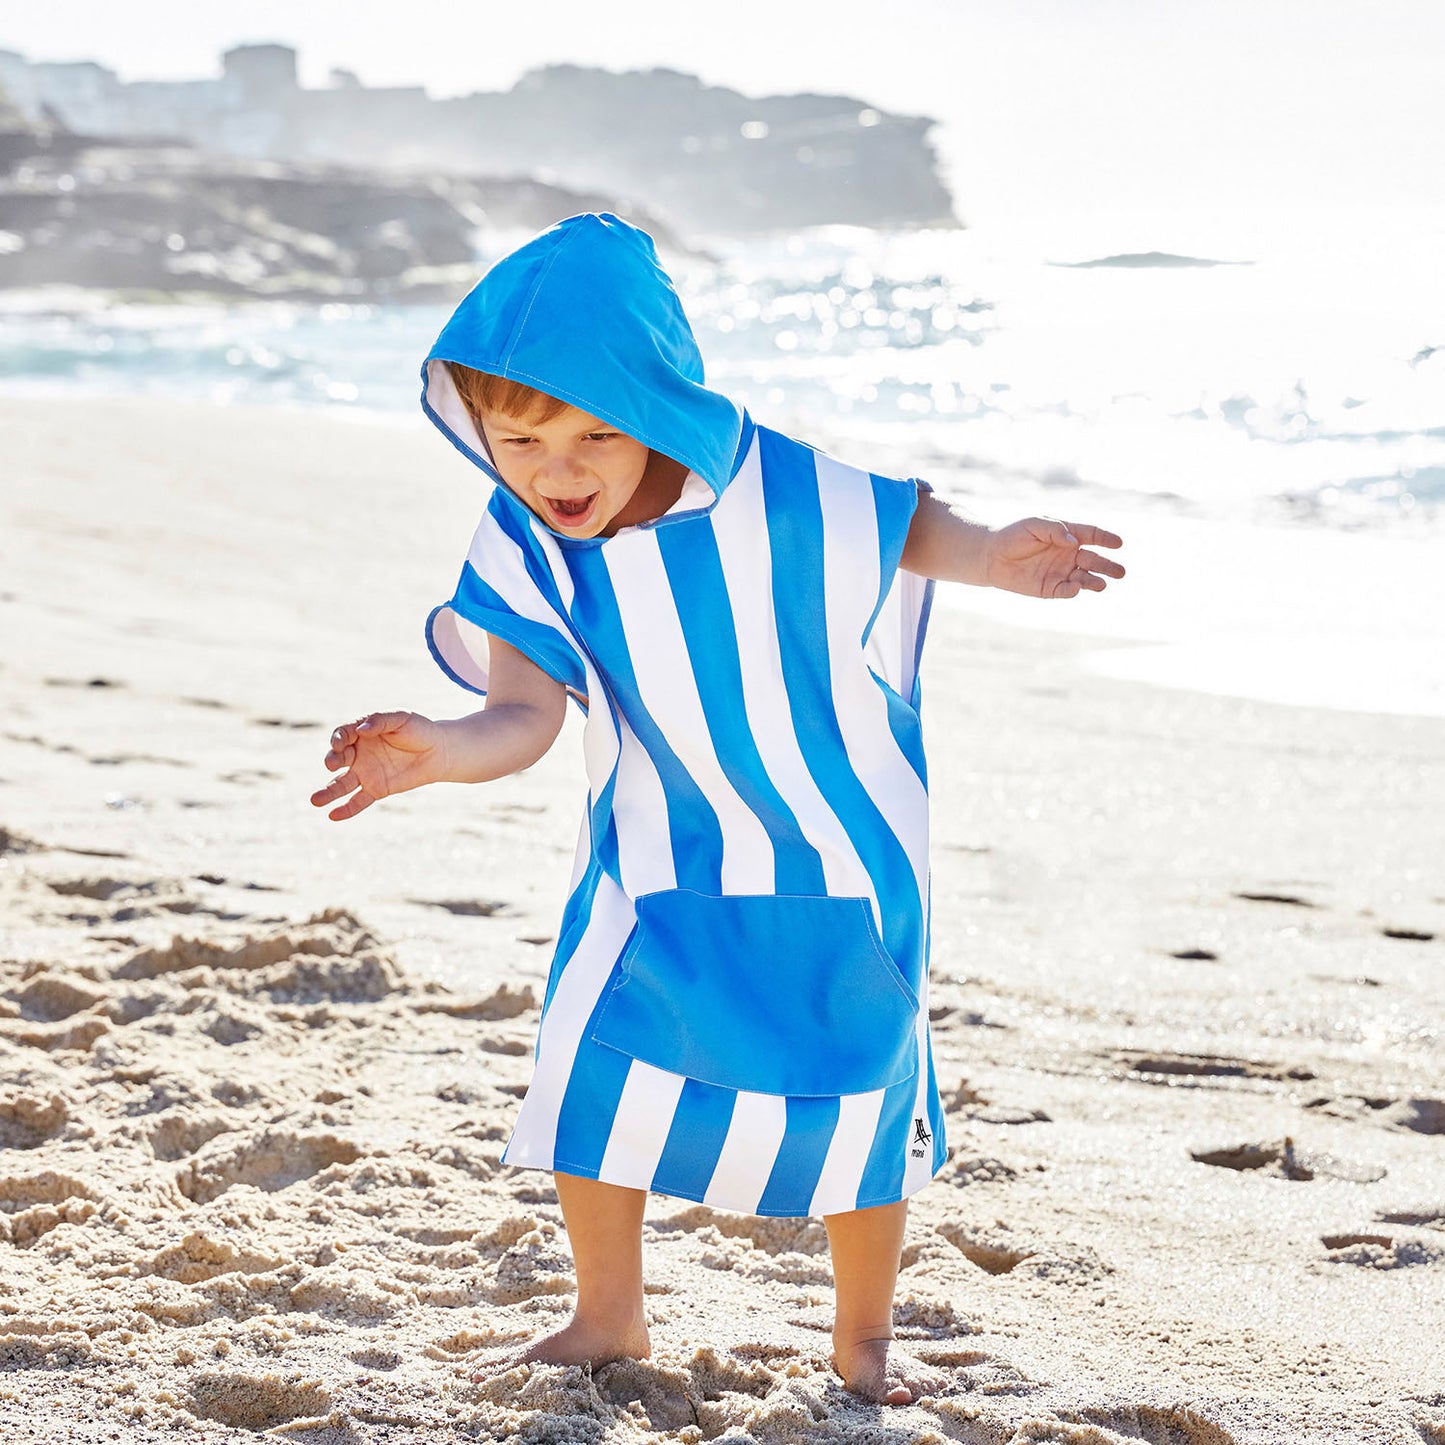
256, 1069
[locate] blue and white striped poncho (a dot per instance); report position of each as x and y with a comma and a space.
737, 1009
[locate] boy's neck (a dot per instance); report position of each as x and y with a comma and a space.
656, 494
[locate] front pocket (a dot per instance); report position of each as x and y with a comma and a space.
768, 993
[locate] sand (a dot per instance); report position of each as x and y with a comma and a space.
256, 1069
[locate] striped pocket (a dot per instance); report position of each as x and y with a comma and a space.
766, 993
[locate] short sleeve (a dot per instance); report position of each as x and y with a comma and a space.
505, 590
900, 621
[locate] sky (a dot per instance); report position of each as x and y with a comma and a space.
1048, 107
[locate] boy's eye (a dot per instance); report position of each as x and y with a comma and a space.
600, 436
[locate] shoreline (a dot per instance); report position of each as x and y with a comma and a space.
258, 1067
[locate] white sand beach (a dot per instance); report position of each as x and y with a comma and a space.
257, 1069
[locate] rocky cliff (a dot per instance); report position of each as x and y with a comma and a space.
168, 219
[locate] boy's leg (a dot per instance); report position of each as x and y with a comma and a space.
604, 1227
866, 1245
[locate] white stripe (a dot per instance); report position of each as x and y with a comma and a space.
639, 1128
502, 564
850, 571
842, 1174
639, 809
668, 689
755, 1134
740, 525
583, 978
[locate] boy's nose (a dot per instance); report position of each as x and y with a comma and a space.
560, 468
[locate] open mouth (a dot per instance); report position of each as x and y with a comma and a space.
571, 511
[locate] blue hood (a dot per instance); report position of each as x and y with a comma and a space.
585, 313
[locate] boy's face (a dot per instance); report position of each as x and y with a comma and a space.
579, 475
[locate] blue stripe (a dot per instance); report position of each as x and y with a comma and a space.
693, 826
576, 914
907, 729
695, 1140
796, 1170
894, 504
604, 827
699, 589
795, 533
589, 1104
887, 1159
936, 1121
549, 647
515, 521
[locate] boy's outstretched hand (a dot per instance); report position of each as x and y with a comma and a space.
380, 754
1043, 557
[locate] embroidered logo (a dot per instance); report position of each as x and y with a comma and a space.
921, 1138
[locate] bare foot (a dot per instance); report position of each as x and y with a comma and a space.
869, 1369
580, 1342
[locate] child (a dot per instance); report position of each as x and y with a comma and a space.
737, 1010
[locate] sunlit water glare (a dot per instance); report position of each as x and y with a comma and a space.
1286, 379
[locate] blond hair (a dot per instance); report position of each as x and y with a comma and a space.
481, 391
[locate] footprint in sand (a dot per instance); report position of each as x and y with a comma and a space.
252, 1402
1283, 1160
180, 1134
249, 775
1379, 1251
31, 1205
504, 1002
466, 907
271, 1161
27, 1120
82, 682
773, 1236
199, 1257
1175, 1069
1417, 1116
75, 1035
535, 1265
101, 890
216, 880
49, 998
1294, 900
991, 1258
1428, 1216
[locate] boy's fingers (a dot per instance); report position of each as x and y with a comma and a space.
1095, 563
336, 788
382, 722
351, 807
1095, 536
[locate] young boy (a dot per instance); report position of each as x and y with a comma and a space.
737, 1009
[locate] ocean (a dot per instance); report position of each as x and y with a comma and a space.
1259, 408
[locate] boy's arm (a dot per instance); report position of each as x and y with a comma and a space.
392, 752
1038, 556
523, 715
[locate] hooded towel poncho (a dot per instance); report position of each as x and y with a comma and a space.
736, 1012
